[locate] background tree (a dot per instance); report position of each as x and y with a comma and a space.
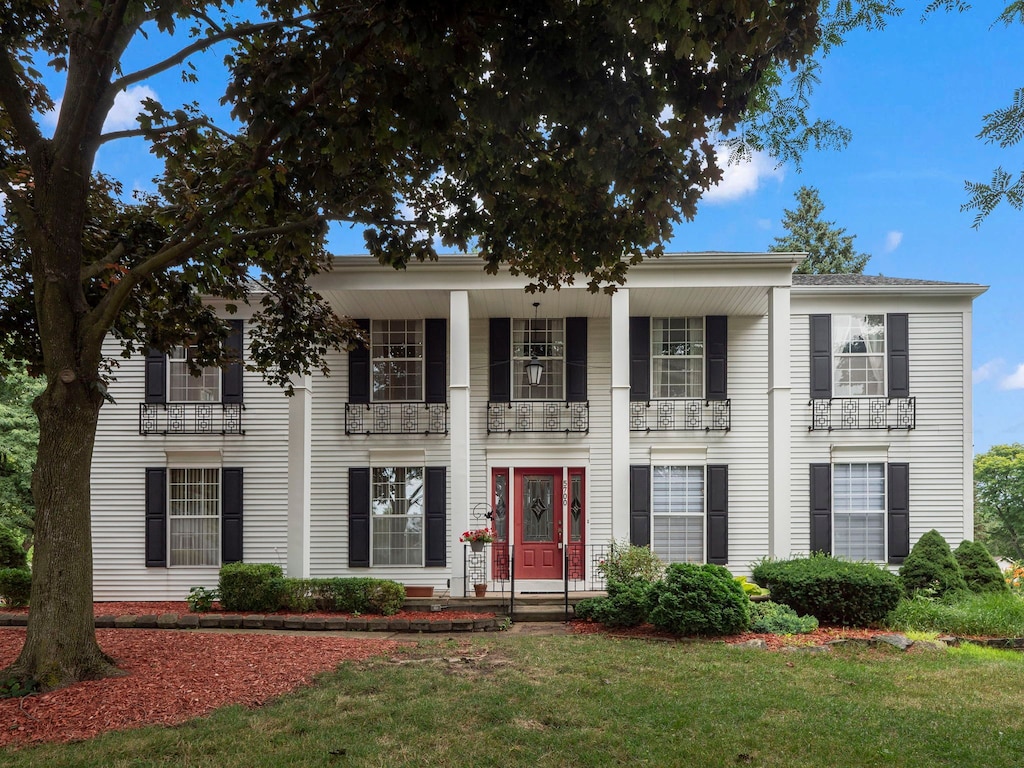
999, 500
555, 136
19, 435
829, 249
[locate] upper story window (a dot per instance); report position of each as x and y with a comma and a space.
396, 354
543, 338
858, 355
677, 358
186, 387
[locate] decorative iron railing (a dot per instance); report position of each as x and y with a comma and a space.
396, 418
669, 415
538, 416
863, 413
191, 419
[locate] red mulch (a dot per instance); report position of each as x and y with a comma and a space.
172, 677
820, 636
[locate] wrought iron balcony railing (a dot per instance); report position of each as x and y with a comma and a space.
538, 416
863, 413
396, 418
191, 419
669, 415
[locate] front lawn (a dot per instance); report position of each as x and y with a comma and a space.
595, 700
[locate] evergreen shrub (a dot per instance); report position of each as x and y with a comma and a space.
250, 587
699, 600
979, 569
12, 554
931, 568
626, 605
778, 619
832, 590
15, 586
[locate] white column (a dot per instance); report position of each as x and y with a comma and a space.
620, 413
300, 446
780, 511
458, 436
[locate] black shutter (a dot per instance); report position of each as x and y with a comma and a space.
640, 358
716, 346
500, 372
718, 513
435, 354
821, 357
359, 368
640, 505
231, 374
435, 518
156, 376
231, 515
821, 508
359, 517
897, 342
156, 517
899, 512
576, 359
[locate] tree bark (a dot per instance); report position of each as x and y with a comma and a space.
60, 644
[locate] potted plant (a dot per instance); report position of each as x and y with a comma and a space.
480, 589
478, 538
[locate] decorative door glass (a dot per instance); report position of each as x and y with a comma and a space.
538, 510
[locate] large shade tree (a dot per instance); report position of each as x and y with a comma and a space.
999, 499
558, 137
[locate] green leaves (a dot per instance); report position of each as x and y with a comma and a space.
999, 499
829, 250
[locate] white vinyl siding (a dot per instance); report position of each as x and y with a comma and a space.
858, 511
677, 511
543, 338
193, 516
396, 353
396, 514
677, 358
183, 387
858, 355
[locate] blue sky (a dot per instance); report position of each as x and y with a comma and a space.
913, 95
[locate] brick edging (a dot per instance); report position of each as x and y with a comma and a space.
259, 621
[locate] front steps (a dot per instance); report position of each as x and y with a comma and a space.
527, 607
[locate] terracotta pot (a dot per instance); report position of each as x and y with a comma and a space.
419, 591
481, 590
476, 546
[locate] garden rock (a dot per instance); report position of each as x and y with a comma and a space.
895, 640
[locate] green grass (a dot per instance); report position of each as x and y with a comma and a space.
997, 614
599, 701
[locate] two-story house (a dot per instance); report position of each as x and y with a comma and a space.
716, 408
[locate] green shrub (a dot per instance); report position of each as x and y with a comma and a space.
979, 570
1000, 614
699, 600
15, 586
351, 595
833, 591
750, 589
385, 597
12, 554
297, 596
626, 562
626, 605
931, 567
252, 587
201, 599
778, 619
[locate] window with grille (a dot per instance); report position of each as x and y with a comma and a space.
858, 355
396, 514
677, 358
396, 354
186, 387
193, 516
543, 338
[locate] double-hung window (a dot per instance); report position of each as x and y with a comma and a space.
186, 387
396, 355
859, 512
544, 339
193, 516
677, 358
858, 355
396, 513
678, 513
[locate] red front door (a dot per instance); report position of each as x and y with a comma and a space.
538, 524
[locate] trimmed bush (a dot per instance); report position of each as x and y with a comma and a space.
833, 591
930, 567
12, 554
626, 605
626, 562
385, 597
778, 619
699, 600
297, 596
979, 569
250, 587
15, 586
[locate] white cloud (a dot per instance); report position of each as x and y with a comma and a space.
989, 370
1015, 380
893, 240
742, 178
122, 116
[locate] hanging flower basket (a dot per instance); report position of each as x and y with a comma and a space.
476, 539
477, 546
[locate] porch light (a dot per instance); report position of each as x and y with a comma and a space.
534, 368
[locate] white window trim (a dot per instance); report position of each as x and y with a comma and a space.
183, 361
421, 360
884, 354
200, 462
423, 517
883, 513
702, 357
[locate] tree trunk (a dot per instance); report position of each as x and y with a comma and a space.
60, 645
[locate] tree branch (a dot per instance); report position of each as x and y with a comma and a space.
232, 33
100, 266
134, 132
16, 105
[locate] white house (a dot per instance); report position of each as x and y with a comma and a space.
717, 408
